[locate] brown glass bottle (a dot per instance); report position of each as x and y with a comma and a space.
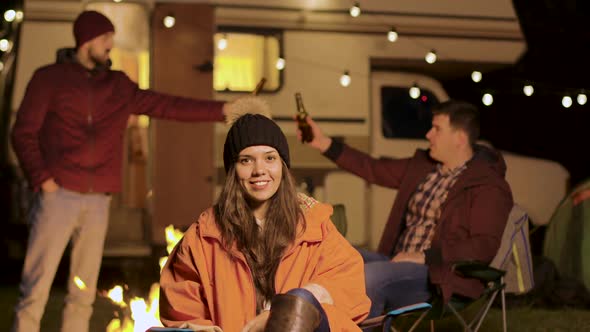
306, 133
259, 86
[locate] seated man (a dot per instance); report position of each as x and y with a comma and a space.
452, 204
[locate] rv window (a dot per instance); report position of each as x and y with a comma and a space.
403, 116
243, 59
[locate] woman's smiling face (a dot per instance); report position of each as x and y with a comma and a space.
260, 171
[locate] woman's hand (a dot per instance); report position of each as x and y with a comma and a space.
258, 323
49, 186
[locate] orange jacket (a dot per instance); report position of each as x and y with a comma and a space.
201, 285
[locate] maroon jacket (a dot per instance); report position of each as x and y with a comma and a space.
472, 218
71, 123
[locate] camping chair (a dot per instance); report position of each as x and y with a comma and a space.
510, 271
339, 218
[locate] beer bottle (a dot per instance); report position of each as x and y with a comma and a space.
259, 86
306, 133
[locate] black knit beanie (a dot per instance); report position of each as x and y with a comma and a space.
253, 129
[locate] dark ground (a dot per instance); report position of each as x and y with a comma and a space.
139, 274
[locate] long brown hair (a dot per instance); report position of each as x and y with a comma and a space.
263, 247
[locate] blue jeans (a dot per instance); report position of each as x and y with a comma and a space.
393, 285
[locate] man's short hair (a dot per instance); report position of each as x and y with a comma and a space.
462, 115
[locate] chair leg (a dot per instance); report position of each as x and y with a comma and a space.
460, 318
432, 325
393, 329
388, 324
415, 325
487, 308
477, 316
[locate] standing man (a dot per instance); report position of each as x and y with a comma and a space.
68, 137
452, 204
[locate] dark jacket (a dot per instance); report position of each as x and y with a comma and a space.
472, 218
71, 123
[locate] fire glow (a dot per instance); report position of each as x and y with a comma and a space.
140, 315
81, 285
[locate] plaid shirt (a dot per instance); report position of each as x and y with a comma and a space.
424, 209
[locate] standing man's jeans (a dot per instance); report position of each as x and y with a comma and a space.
393, 285
55, 218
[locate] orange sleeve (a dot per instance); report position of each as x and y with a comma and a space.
182, 298
341, 272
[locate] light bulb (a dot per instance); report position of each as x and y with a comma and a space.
4, 45
19, 15
582, 99
1, 66
415, 91
222, 43
355, 10
487, 99
566, 101
392, 35
476, 76
430, 57
117, 1
169, 21
345, 79
10, 15
528, 90
280, 64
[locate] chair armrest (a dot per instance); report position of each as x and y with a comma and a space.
477, 270
409, 308
371, 322
383, 319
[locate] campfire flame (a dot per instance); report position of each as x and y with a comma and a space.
173, 235
139, 316
116, 295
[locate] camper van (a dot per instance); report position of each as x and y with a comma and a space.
363, 70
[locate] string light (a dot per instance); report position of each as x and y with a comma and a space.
355, 10
280, 65
566, 101
19, 15
487, 99
415, 91
222, 43
10, 15
392, 35
528, 90
1, 66
582, 99
476, 76
430, 57
4, 45
117, 1
169, 21
345, 79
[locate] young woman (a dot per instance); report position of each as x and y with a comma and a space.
263, 255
